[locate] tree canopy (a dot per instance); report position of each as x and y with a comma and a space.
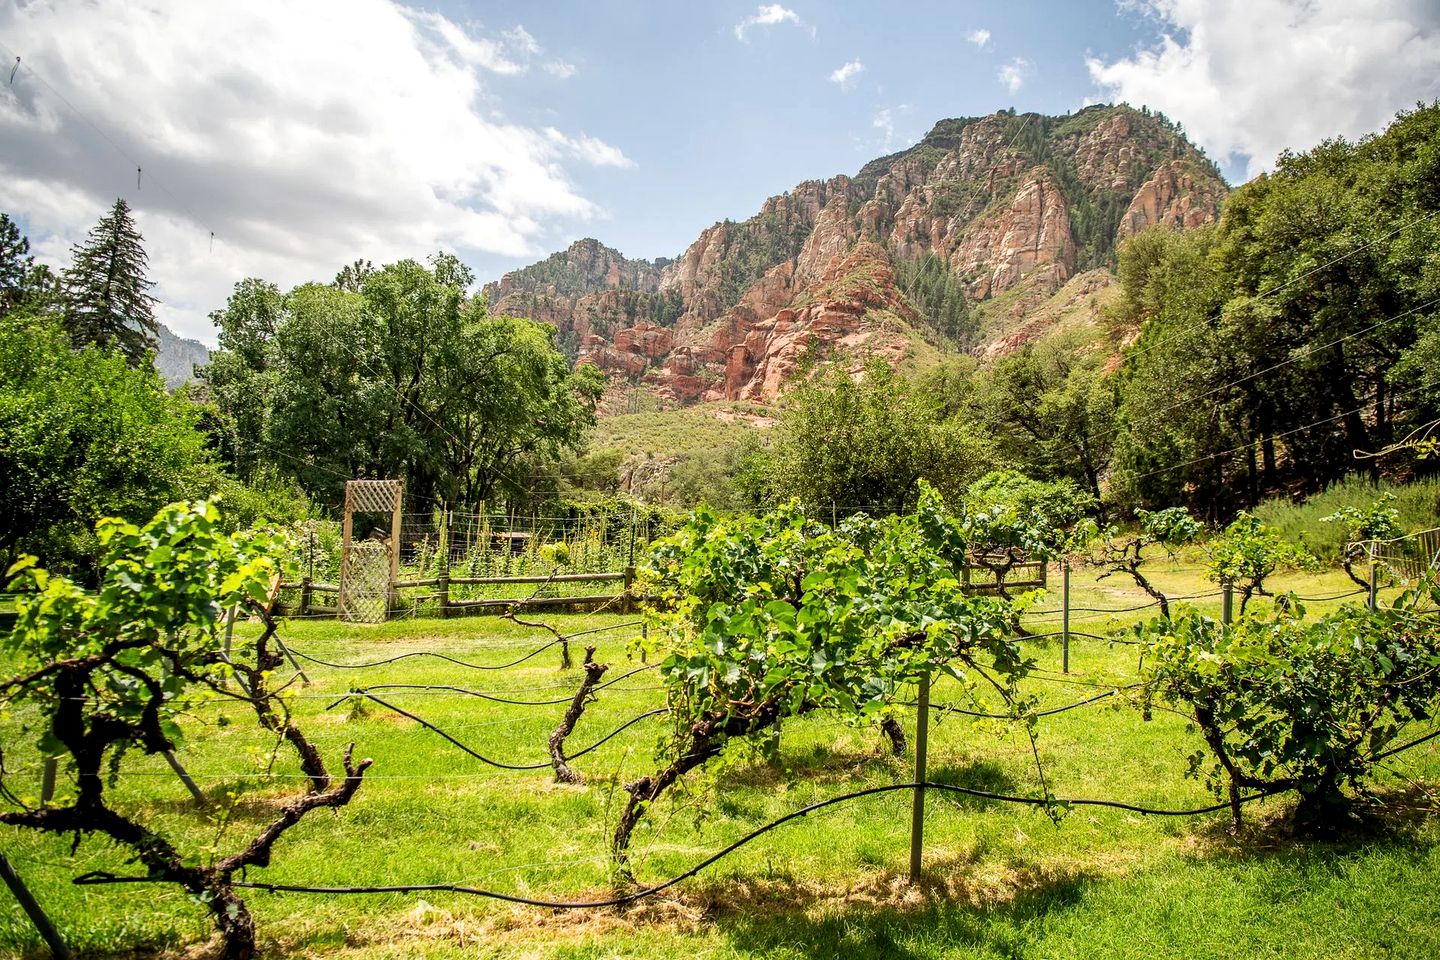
392, 372
83, 435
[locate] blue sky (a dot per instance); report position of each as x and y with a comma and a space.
304, 134
715, 124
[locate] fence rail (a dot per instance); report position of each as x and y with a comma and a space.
450, 606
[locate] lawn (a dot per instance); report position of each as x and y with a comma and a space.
1001, 880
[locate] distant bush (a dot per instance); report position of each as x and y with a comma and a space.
1303, 524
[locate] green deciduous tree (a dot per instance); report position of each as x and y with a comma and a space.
83, 435
1050, 407
867, 443
1295, 333
107, 295
393, 372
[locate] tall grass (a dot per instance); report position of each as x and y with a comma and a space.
1302, 523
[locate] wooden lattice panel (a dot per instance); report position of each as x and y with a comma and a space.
372, 496
365, 583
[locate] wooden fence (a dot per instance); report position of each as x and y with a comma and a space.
977, 578
306, 605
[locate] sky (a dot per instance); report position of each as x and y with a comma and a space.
285, 139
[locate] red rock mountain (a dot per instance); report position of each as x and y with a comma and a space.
984, 218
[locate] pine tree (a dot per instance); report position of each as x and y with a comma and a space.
15, 264
25, 286
107, 296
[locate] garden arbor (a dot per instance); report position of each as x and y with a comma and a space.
370, 568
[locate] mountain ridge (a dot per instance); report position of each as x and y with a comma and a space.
946, 245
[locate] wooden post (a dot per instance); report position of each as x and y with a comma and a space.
342, 602
48, 933
306, 596
1065, 616
917, 810
1227, 605
392, 593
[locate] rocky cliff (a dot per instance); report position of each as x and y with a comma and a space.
952, 243
177, 357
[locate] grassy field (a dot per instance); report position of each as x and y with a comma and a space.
1001, 881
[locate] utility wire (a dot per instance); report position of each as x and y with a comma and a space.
26, 68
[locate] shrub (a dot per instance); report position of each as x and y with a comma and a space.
113, 672
780, 615
1285, 703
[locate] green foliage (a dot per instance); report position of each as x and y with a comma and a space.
1050, 408
754, 246
938, 295
766, 618
1378, 521
866, 444
83, 435
1247, 553
112, 673
25, 287
1271, 344
1007, 512
1284, 702
107, 295
783, 613
1417, 507
1172, 526
152, 624
404, 379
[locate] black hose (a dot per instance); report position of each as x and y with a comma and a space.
103, 878
512, 766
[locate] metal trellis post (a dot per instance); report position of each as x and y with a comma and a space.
917, 812
28, 903
1373, 597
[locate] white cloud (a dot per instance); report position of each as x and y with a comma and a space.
884, 121
770, 15
979, 37
1249, 78
1014, 73
595, 152
304, 135
845, 75
559, 68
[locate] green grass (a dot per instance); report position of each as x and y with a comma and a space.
682, 432
1301, 523
1001, 881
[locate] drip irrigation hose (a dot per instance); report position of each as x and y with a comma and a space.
97, 877
481, 694
511, 766
463, 663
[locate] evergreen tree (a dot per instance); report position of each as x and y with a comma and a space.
15, 264
107, 296
25, 286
